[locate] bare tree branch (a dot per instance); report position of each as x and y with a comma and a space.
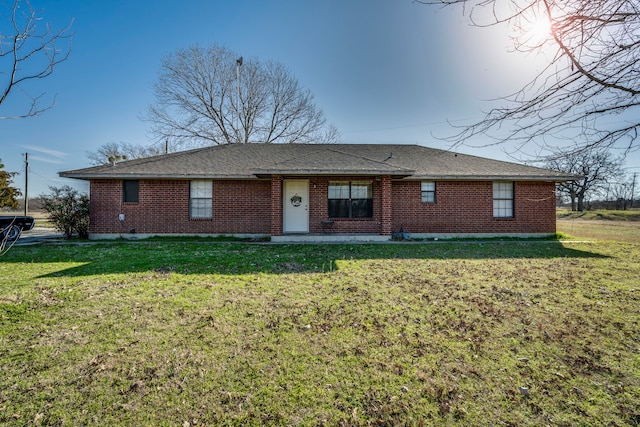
209, 96
113, 152
590, 91
29, 50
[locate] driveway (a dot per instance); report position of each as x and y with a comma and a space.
38, 234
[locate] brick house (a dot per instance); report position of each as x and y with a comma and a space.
315, 192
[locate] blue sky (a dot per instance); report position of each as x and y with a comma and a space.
383, 71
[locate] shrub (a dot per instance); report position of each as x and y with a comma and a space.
68, 209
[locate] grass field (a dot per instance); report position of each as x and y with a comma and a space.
631, 215
518, 333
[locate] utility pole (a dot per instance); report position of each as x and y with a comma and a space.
26, 183
633, 188
238, 65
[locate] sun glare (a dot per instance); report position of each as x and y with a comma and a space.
536, 30
541, 28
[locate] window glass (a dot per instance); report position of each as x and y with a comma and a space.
200, 201
339, 190
201, 189
360, 190
130, 190
338, 208
502, 190
201, 208
503, 199
350, 199
428, 191
361, 208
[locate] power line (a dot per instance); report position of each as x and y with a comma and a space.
633, 188
441, 122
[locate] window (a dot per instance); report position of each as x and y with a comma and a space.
428, 192
503, 199
200, 199
130, 190
350, 199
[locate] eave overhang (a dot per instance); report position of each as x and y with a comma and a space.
89, 176
267, 173
540, 178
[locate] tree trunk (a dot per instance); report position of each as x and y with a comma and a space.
572, 195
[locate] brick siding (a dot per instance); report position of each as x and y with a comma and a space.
239, 206
467, 207
246, 207
276, 205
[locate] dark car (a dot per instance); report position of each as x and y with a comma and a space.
12, 226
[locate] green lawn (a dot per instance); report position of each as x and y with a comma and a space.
200, 333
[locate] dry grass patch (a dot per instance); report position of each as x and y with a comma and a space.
620, 231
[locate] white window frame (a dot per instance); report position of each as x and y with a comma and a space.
201, 199
428, 191
503, 199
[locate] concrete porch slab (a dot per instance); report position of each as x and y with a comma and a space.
330, 238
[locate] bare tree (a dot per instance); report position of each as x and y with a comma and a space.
592, 78
113, 152
330, 135
29, 50
209, 96
621, 193
597, 167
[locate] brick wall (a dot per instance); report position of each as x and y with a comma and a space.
239, 206
246, 206
276, 205
467, 207
386, 206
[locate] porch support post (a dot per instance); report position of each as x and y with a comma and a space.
276, 205
385, 220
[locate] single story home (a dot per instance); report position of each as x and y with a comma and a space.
316, 192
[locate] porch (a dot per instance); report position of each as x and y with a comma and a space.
330, 238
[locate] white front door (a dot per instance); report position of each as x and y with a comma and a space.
296, 206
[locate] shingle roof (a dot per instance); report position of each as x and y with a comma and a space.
262, 160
